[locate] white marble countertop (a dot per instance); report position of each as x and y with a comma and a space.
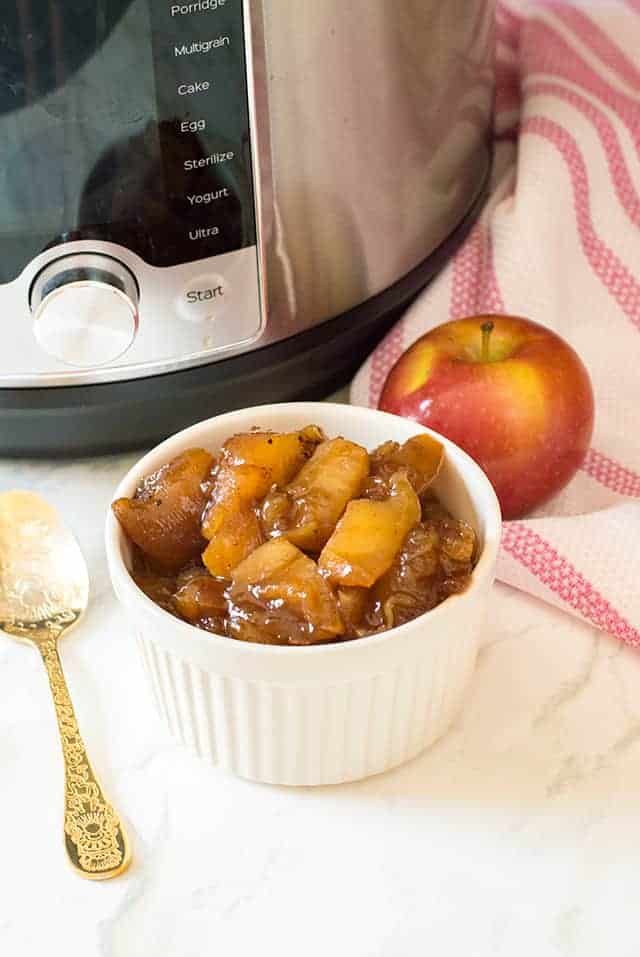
515, 835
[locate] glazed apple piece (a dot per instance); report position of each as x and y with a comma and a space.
250, 465
353, 603
159, 588
410, 587
369, 536
235, 489
308, 509
421, 457
458, 546
163, 517
436, 561
201, 601
458, 540
239, 535
278, 596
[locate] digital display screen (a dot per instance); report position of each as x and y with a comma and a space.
124, 121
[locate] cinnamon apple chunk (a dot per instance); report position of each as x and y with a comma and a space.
250, 465
369, 535
163, 517
306, 512
201, 599
238, 536
352, 603
278, 596
421, 457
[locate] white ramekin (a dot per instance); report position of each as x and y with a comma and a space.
329, 713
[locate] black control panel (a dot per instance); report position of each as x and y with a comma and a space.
126, 122
201, 89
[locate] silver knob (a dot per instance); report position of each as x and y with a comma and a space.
85, 309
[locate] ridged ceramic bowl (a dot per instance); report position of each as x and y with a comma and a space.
329, 713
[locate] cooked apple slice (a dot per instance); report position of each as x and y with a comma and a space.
239, 535
435, 561
163, 518
265, 564
277, 595
235, 489
250, 464
318, 495
458, 541
159, 588
369, 536
201, 601
279, 452
421, 457
352, 603
410, 586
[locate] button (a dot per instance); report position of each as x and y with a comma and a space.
204, 297
85, 309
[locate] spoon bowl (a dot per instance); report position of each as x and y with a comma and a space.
44, 591
44, 584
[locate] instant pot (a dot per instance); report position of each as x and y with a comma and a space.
218, 203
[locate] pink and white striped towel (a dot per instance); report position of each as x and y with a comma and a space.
559, 242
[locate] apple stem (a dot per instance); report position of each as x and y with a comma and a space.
487, 328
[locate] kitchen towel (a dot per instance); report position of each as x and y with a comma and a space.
559, 242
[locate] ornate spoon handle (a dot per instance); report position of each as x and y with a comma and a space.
96, 842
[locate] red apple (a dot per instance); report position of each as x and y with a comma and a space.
511, 393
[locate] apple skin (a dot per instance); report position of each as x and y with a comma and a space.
525, 416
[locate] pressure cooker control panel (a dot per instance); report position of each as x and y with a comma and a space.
128, 221
201, 90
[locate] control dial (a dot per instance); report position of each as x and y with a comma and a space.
85, 309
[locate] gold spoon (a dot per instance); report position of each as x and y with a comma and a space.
44, 589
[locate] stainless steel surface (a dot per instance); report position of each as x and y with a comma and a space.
379, 118
370, 131
85, 310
